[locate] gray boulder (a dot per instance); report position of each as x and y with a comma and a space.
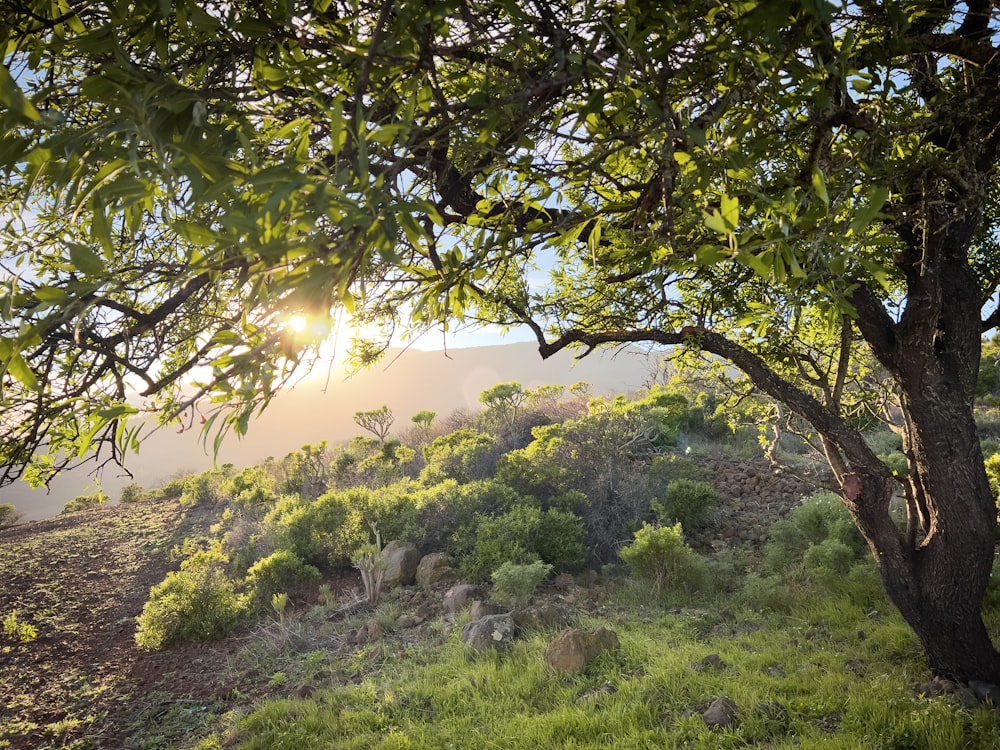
461, 596
400, 560
491, 631
544, 615
720, 714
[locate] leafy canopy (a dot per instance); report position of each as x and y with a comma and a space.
182, 179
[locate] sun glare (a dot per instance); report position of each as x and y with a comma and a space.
298, 323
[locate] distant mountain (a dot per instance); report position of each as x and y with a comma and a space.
320, 408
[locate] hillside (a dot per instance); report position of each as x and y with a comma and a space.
318, 408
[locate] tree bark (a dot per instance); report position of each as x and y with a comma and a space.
937, 577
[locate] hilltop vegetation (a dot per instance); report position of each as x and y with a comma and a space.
724, 574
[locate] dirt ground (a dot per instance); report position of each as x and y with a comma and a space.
80, 580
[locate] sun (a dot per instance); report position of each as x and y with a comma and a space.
298, 323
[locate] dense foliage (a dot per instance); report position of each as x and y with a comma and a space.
807, 191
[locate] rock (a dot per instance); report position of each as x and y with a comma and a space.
433, 569
401, 560
710, 662
462, 595
481, 609
491, 631
369, 632
409, 621
720, 714
605, 689
985, 692
574, 649
548, 614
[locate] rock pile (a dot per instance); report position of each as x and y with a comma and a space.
754, 494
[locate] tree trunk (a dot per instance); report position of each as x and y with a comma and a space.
938, 585
938, 572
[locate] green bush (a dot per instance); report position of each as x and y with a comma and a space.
449, 513
321, 533
523, 535
769, 593
514, 584
8, 515
896, 462
559, 540
821, 517
506, 538
827, 561
687, 502
195, 604
659, 555
204, 488
275, 573
84, 502
667, 469
465, 455
253, 490
818, 541
131, 493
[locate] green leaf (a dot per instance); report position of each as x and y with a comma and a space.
715, 222
707, 255
13, 98
17, 367
819, 185
85, 260
100, 230
730, 210
877, 197
117, 412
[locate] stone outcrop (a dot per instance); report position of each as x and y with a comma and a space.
544, 615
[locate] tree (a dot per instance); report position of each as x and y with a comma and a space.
424, 419
377, 421
806, 190
503, 401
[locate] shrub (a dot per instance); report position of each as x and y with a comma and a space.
506, 538
321, 533
465, 455
823, 516
896, 462
84, 502
514, 584
253, 490
8, 515
818, 538
203, 488
769, 593
828, 560
660, 556
195, 604
687, 502
559, 540
275, 572
131, 493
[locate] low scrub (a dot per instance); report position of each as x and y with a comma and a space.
197, 603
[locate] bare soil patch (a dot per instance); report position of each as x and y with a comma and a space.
81, 580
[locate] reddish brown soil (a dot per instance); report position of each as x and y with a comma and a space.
81, 579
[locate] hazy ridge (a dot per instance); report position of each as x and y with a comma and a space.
320, 408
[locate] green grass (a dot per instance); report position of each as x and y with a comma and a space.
829, 677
